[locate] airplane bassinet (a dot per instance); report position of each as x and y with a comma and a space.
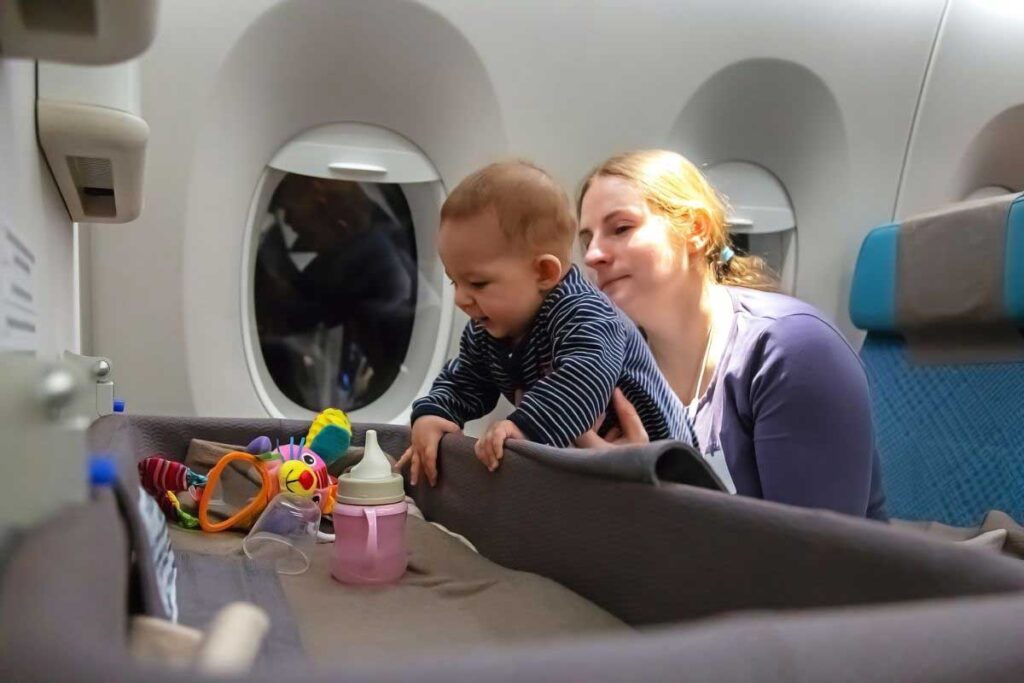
695, 583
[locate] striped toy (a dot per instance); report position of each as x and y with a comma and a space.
162, 479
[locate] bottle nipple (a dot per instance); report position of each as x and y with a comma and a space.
371, 481
374, 465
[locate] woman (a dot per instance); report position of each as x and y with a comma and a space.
779, 398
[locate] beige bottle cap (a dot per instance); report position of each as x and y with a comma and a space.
371, 481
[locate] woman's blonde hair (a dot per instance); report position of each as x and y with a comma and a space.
675, 188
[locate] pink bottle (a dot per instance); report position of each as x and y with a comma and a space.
369, 521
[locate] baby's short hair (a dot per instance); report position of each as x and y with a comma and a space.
533, 210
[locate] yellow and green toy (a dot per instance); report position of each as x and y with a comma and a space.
330, 435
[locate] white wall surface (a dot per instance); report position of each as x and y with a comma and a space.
136, 268
970, 128
821, 94
30, 203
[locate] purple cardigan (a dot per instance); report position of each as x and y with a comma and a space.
787, 416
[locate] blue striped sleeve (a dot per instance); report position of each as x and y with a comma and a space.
586, 365
463, 390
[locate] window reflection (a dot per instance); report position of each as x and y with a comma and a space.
335, 289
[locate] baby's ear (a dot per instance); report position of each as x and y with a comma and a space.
549, 271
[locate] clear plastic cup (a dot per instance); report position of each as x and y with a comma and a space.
285, 533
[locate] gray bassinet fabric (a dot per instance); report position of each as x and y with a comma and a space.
142, 436
207, 583
450, 600
696, 551
67, 577
645, 553
956, 640
656, 463
962, 640
657, 554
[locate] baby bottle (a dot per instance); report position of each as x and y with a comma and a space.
369, 521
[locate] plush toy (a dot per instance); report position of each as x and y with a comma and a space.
261, 444
304, 472
292, 467
330, 435
162, 479
296, 468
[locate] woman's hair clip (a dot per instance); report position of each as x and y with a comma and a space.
726, 255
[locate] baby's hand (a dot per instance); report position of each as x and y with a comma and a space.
422, 452
490, 447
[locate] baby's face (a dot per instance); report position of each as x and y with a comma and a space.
496, 283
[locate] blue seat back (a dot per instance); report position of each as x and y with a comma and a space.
950, 437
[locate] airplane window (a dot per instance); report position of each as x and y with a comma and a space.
774, 248
335, 289
761, 218
742, 244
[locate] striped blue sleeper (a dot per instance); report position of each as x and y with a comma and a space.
560, 376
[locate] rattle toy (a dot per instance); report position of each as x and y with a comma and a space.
298, 468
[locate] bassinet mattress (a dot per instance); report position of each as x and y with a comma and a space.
451, 598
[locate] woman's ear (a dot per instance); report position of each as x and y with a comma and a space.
697, 238
548, 268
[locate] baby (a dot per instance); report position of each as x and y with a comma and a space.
540, 333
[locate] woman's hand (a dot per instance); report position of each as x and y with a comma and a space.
630, 429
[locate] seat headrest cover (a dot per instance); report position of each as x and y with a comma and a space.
874, 288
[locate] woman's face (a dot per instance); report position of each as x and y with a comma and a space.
629, 250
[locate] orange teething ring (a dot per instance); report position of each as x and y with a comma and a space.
247, 513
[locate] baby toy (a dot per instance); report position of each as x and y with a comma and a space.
162, 478
293, 468
299, 468
330, 435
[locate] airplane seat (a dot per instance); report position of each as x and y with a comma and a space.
947, 378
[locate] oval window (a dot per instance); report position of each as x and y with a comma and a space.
761, 219
335, 289
345, 302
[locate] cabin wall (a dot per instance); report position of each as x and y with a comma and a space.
32, 207
969, 132
564, 84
